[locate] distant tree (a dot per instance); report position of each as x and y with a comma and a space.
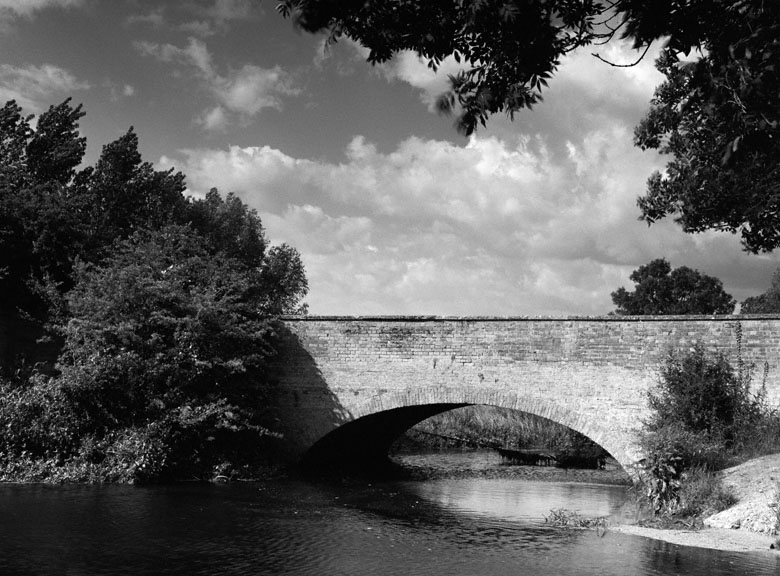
766, 303
661, 290
717, 114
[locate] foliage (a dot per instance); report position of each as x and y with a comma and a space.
509, 48
704, 416
703, 393
766, 303
661, 290
703, 494
122, 194
158, 308
719, 118
38, 232
670, 451
716, 114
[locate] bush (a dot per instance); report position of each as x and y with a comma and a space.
703, 393
37, 419
671, 450
704, 416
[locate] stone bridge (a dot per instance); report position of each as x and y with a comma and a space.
347, 387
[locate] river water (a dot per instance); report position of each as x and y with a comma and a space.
453, 527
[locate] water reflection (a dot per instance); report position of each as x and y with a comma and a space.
508, 499
457, 528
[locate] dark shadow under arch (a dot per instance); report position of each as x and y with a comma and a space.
364, 441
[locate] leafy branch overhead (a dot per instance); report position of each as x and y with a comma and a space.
717, 114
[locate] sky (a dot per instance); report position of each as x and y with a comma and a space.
393, 212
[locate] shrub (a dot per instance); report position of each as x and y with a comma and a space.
704, 415
671, 450
37, 419
703, 393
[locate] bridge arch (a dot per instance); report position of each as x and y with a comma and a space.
376, 422
334, 375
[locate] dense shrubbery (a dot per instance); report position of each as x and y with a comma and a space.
137, 322
704, 417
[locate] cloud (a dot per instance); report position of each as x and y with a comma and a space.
155, 18
33, 87
536, 217
583, 92
493, 227
214, 120
410, 68
200, 18
119, 91
27, 8
245, 92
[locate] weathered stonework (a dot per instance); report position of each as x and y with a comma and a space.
591, 374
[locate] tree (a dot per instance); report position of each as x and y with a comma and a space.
766, 303
718, 115
719, 119
51, 212
39, 233
122, 194
509, 48
661, 290
163, 307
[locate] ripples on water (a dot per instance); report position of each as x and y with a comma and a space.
452, 527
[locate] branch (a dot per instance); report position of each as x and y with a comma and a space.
647, 48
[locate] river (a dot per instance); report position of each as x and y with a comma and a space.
450, 526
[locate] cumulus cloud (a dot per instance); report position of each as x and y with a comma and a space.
245, 91
33, 87
408, 67
538, 217
583, 92
492, 227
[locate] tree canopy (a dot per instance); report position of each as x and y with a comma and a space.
766, 303
135, 322
661, 290
717, 114
719, 119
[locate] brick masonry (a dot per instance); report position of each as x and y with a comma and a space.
591, 374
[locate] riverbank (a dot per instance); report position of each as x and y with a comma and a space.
748, 526
713, 538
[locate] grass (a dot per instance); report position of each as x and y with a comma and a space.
702, 494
